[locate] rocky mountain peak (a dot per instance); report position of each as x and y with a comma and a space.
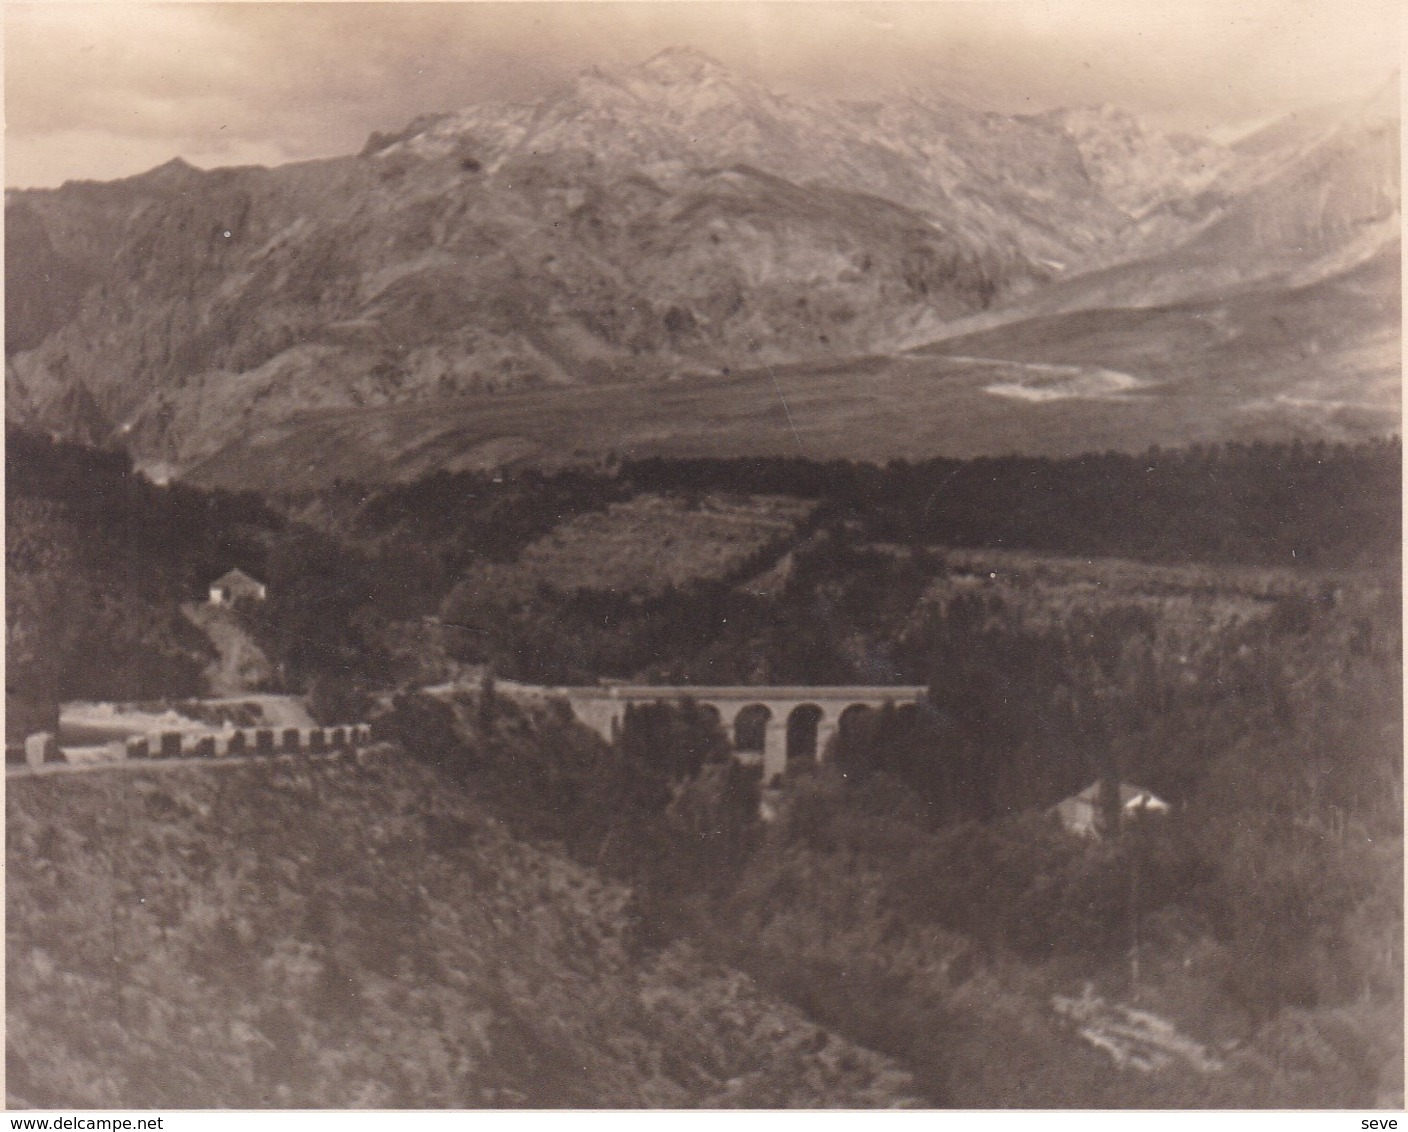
175, 172
678, 78
1100, 116
682, 65
594, 86
177, 165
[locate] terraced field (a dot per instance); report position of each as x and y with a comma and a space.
652, 542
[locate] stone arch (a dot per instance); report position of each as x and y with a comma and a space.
848, 723
908, 712
851, 715
714, 712
805, 733
750, 727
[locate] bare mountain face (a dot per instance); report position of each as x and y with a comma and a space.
1138, 169
1017, 185
1309, 200
672, 221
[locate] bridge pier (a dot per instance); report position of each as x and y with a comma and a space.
775, 749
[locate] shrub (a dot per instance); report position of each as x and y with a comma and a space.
675, 740
336, 698
426, 728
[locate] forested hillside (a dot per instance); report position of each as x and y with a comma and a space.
1261, 504
97, 562
1260, 920
806, 582
1241, 658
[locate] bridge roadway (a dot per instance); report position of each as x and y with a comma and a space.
793, 719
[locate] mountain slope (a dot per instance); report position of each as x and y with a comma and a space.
361, 935
670, 221
1320, 360
1136, 168
346, 283
1317, 200
1316, 362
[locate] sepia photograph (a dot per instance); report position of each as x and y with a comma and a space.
703, 556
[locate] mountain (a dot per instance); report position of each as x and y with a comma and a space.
671, 221
352, 283
1319, 196
1139, 169
1018, 184
1319, 362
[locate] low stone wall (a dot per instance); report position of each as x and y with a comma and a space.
43, 747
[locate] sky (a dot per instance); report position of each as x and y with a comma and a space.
98, 91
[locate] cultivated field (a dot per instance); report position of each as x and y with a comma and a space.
653, 542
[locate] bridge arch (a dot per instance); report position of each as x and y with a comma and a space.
750, 728
849, 729
774, 725
804, 735
713, 711
851, 717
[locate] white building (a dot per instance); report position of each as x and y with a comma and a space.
236, 586
1080, 813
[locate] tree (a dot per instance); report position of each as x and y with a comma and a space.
674, 740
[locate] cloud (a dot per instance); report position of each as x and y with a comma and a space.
98, 90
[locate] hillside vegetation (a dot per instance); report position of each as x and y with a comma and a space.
652, 543
1221, 626
914, 889
673, 570
331, 934
97, 563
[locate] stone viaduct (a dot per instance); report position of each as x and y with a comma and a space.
769, 724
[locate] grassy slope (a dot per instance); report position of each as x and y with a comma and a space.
646, 545
329, 934
1331, 344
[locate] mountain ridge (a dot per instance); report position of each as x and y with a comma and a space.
667, 221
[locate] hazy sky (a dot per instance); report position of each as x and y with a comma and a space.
102, 91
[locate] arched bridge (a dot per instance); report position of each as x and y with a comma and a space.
771, 724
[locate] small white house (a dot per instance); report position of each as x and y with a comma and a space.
1080, 813
236, 586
